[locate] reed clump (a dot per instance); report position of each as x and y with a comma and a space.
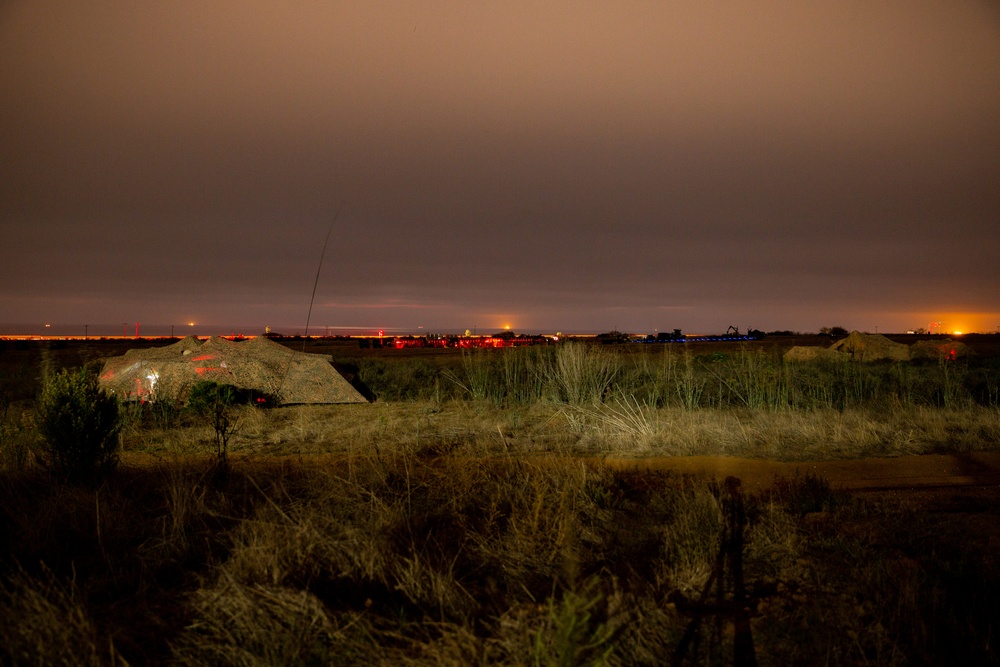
745, 378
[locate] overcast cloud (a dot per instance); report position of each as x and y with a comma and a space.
552, 166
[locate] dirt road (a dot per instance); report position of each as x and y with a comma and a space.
905, 472
926, 471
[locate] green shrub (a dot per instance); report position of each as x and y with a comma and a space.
15, 435
206, 396
402, 379
78, 420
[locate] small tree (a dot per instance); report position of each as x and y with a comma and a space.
216, 401
78, 420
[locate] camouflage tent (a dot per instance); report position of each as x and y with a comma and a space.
874, 347
871, 347
258, 364
939, 349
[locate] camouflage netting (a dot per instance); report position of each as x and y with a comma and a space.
871, 347
258, 364
811, 353
875, 347
939, 349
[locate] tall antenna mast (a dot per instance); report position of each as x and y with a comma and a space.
319, 268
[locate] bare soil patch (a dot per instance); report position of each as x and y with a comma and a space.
904, 472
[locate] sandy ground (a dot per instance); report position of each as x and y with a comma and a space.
929, 470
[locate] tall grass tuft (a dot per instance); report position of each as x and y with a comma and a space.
43, 622
580, 374
236, 624
681, 380
505, 377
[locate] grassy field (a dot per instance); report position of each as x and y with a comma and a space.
454, 520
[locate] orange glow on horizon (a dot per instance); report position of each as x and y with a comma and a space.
958, 323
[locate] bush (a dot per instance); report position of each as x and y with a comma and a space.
78, 420
206, 397
400, 380
215, 401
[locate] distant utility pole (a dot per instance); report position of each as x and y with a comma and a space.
124, 330
85, 327
137, 331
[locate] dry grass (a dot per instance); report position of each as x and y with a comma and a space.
409, 559
619, 427
42, 622
456, 531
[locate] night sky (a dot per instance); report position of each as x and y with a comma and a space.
557, 166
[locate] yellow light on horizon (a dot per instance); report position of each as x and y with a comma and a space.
959, 323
